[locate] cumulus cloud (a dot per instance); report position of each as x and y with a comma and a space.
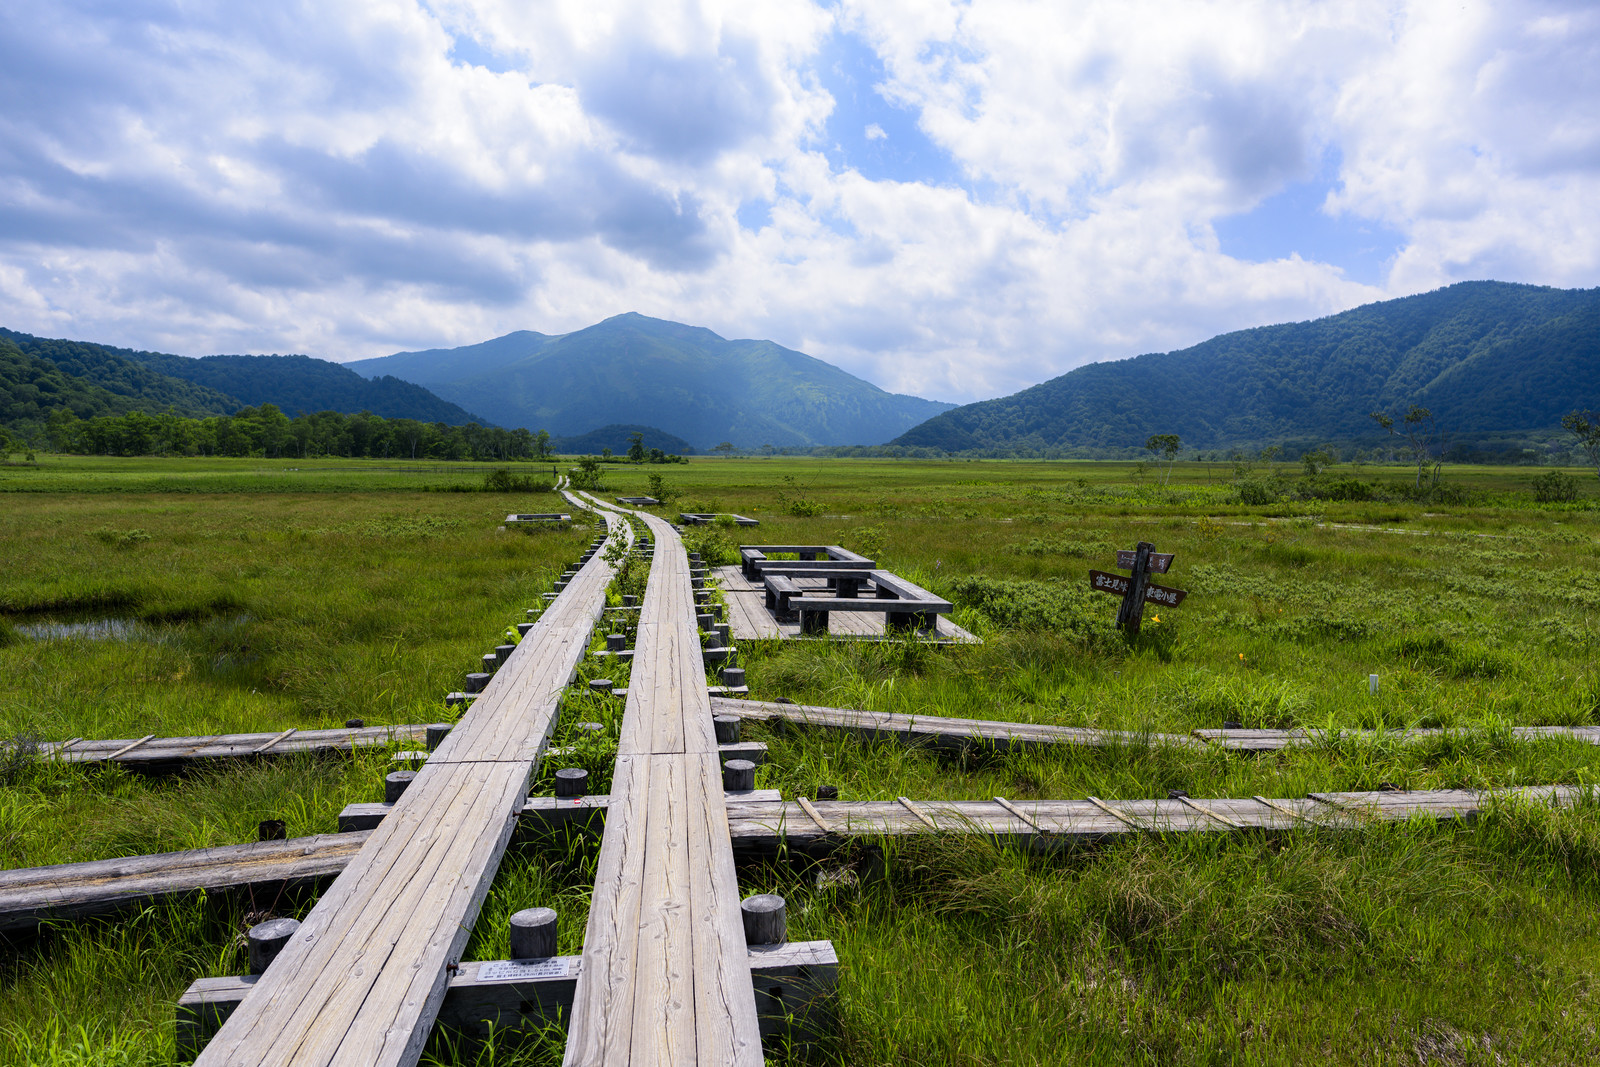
355, 179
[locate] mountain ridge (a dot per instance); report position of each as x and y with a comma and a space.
1485, 357
686, 380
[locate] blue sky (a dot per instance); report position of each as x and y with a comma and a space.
957, 198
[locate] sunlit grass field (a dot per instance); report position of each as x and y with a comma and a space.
246, 595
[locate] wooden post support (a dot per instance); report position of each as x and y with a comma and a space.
524, 627
601, 685
1131, 614
733, 677
267, 940
727, 727
572, 782
395, 783
766, 919
738, 775
475, 682
591, 727
616, 642
533, 934
436, 733
503, 652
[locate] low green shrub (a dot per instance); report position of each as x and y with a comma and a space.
1258, 492
1555, 487
502, 480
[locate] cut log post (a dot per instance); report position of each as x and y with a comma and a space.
738, 775
267, 939
733, 677
533, 934
436, 733
572, 782
727, 727
766, 919
503, 652
395, 783
616, 642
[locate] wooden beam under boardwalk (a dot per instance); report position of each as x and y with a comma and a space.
362, 979
666, 972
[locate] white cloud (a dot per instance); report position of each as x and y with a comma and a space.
340, 181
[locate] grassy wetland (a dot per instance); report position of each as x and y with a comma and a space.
199, 597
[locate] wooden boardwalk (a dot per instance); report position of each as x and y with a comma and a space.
1275, 740
159, 755
666, 972
749, 618
953, 733
362, 979
759, 824
939, 732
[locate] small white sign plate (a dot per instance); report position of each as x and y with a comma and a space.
512, 970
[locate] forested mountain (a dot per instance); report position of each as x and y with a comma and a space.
1489, 359
617, 437
31, 388
120, 372
685, 380
442, 365
213, 385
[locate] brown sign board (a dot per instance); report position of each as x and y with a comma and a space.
1118, 584
1159, 561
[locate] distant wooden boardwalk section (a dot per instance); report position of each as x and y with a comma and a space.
666, 972
749, 618
154, 755
362, 979
940, 732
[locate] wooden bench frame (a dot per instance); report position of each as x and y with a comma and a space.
754, 562
907, 607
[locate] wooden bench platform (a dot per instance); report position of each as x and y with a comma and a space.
701, 518
750, 619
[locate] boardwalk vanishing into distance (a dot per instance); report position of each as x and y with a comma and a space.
363, 977
666, 975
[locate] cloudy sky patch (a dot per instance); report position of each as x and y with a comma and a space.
953, 199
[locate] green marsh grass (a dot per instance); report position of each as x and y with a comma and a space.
257, 597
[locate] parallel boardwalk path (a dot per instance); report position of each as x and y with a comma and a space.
362, 979
666, 974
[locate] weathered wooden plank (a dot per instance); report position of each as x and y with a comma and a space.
665, 977
756, 822
163, 754
940, 731
364, 975
77, 890
1274, 740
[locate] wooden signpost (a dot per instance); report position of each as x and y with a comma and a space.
1137, 589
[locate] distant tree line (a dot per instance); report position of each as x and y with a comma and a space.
267, 432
